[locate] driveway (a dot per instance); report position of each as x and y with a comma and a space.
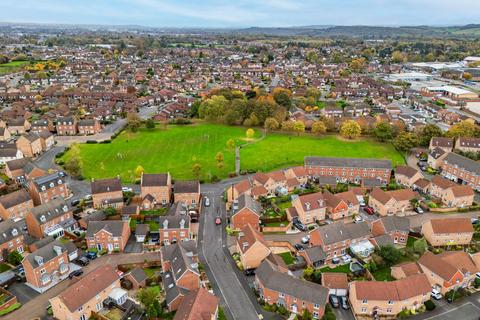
342, 314
23, 292
133, 246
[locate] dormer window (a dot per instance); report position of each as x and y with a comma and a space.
43, 219
14, 232
43, 188
65, 208
52, 185
60, 181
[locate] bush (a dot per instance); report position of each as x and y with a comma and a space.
92, 141
12, 308
430, 305
106, 141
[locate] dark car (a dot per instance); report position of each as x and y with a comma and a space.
298, 246
300, 226
75, 203
250, 272
76, 273
344, 303
83, 261
369, 210
91, 255
336, 260
334, 300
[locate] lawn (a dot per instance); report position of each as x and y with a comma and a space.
287, 257
276, 224
383, 274
345, 268
175, 150
150, 272
279, 151
12, 66
4, 267
178, 148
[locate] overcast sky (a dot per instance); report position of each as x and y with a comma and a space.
242, 13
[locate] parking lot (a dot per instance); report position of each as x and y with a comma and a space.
467, 311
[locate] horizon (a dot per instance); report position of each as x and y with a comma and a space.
215, 14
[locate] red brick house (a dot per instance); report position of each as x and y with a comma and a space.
187, 192
89, 127
10, 239
48, 187
175, 226
50, 219
107, 193
14, 206
66, 126
110, 235
246, 210
295, 295
158, 186
397, 228
198, 303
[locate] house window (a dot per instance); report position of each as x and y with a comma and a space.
316, 306
116, 245
364, 310
390, 302
42, 271
315, 314
83, 317
389, 310
281, 295
80, 309
99, 306
365, 301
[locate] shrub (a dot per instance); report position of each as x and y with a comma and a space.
430, 305
92, 141
106, 141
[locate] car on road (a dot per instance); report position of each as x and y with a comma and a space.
249, 272
306, 239
75, 203
83, 261
300, 226
344, 303
91, 255
436, 294
207, 202
218, 221
88, 197
369, 210
334, 300
76, 273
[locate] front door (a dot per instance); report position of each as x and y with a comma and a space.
110, 247
99, 247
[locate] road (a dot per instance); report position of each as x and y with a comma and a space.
211, 245
36, 307
466, 308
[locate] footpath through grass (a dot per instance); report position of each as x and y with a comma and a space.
177, 148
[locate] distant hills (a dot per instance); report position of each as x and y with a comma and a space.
365, 32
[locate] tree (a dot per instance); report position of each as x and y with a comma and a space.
467, 76
139, 171
420, 246
219, 159
357, 64
312, 56
74, 166
288, 125
306, 315
230, 145
250, 133
148, 297
383, 131
196, 169
133, 122
318, 128
150, 124
398, 57
271, 124
27, 76
283, 97
308, 272
350, 129
299, 127
14, 258
405, 141
426, 133
390, 254
462, 129
110, 211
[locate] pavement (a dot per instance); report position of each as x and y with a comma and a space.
466, 308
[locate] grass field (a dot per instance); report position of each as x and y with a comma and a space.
278, 151
179, 147
12, 66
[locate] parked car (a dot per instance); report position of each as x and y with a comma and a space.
83, 261
207, 202
436, 294
127, 189
300, 226
477, 275
75, 203
369, 210
88, 197
346, 259
358, 219
344, 303
418, 210
306, 239
475, 220
298, 246
218, 221
336, 260
249, 272
334, 301
91, 255
76, 273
